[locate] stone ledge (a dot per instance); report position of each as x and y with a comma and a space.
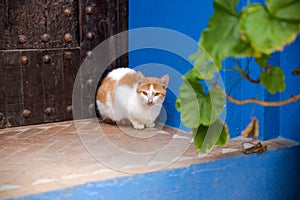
40, 158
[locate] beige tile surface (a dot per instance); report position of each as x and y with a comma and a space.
52, 156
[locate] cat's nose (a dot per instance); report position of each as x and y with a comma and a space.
150, 102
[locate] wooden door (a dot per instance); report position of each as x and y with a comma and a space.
42, 46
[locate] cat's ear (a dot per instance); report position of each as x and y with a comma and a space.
164, 80
140, 77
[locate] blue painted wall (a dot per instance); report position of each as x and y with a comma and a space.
176, 15
289, 115
191, 18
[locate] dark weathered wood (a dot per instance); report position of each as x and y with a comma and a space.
71, 60
43, 46
108, 17
34, 18
2, 92
3, 23
13, 89
53, 86
32, 77
37, 86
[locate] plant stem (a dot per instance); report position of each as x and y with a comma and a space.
245, 75
249, 78
260, 102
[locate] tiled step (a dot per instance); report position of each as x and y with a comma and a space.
40, 158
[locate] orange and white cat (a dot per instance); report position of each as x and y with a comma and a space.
128, 95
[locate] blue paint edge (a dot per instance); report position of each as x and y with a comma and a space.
272, 175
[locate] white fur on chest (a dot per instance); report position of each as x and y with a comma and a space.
128, 105
142, 112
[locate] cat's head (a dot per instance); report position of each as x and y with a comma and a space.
152, 90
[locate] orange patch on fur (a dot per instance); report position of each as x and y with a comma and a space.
108, 84
128, 79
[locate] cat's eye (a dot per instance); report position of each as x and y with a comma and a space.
145, 93
156, 94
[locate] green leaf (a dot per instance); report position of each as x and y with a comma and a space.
204, 67
177, 105
264, 32
222, 38
224, 137
262, 61
192, 74
273, 80
196, 107
205, 137
216, 103
227, 5
287, 9
187, 102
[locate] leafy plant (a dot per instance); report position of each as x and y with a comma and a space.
256, 31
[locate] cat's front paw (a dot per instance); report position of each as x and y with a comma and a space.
151, 125
139, 126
